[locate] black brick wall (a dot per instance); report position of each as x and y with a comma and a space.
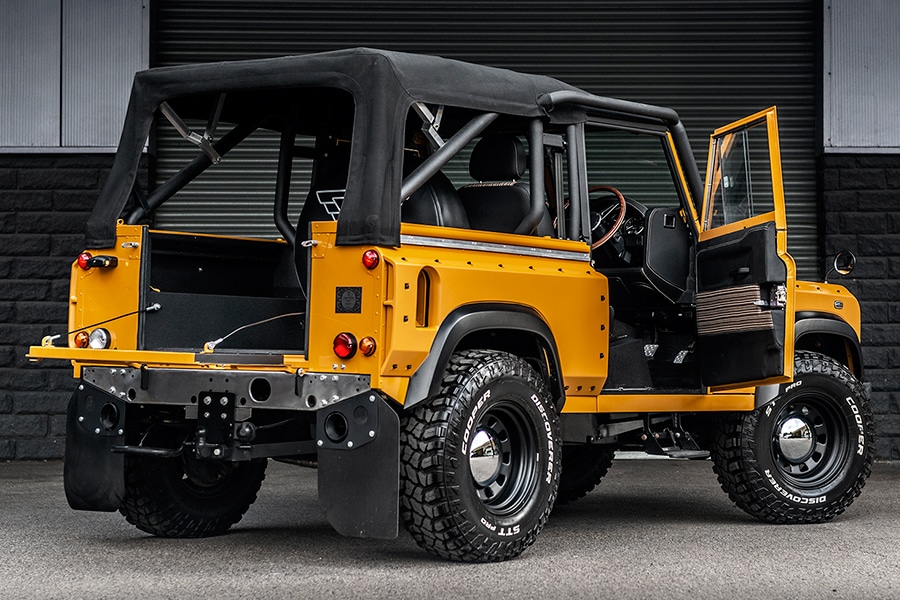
862, 214
44, 202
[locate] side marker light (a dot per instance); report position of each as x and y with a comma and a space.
367, 346
81, 339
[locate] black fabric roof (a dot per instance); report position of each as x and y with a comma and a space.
383, 84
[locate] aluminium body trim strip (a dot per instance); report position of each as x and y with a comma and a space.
419, 240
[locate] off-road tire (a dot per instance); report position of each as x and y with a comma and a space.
186, 497
446, 510
817, 483
583, 466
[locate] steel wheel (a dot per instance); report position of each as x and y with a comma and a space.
480, 460
502, 460
808, 444
805, 456
186, 497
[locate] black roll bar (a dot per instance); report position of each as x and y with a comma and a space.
536, 177
666, 115
442, 155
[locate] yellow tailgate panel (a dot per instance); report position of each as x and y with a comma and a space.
99, 294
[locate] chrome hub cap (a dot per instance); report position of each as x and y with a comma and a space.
484, 458
795, 439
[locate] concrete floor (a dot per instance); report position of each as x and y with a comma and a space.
652, 529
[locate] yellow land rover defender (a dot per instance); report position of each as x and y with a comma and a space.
479, 284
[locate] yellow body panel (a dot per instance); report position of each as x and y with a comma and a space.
404, 318
738, 400
830, 299
99, 294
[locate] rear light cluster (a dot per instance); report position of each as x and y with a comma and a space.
345, 344
87, 261
97, 339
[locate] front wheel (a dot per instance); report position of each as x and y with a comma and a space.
187, 497
480, 461
805, 456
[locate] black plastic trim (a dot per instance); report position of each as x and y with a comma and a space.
468, 319
359, 477
810, 322
94, 475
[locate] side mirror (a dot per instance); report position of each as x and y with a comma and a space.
843, 264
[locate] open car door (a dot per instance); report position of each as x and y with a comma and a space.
745, 277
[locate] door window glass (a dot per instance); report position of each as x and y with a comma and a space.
741, 182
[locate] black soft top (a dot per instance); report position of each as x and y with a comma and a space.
384, 85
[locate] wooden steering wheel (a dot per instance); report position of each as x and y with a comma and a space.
605, 215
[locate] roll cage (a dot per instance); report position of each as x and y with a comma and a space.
379, 85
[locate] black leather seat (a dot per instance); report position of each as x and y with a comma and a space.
435, 203
499, 201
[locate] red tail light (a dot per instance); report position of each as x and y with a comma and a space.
345, 345
370, 259
86, 261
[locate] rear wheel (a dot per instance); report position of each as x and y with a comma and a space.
582, 469
186, 497
805, 456
480, 461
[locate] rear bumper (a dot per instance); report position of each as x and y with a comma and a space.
251, 389
350, 429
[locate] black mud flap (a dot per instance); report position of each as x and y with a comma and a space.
94, 475
359, 466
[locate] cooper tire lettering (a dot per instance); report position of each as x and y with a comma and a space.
479, 464
805, 456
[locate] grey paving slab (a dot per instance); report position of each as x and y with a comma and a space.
652, 529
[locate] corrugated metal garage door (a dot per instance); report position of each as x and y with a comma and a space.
712, 61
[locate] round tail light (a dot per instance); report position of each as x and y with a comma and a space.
345, 345
370, 259
83, 259
82, 339
99, 339
367, 346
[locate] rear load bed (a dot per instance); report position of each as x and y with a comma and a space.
208, 287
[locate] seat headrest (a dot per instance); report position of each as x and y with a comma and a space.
498, 158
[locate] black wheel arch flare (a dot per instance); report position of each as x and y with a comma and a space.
477, 321
828, 334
